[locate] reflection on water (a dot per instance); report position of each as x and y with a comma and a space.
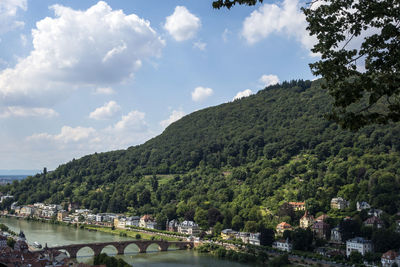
55, 235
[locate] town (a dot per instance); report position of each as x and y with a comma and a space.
327, 240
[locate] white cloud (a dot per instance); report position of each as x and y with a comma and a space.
182, 24
75, 49
285, 19
17, 111
175, 115
104, 91
134, 120
201, 93
267, 80
8, 14
242, 94
68, 134
200, 45
107, 111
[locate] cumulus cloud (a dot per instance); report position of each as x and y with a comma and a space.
75, 49
242, 94
175, 115
201, 93
104, 91
17, 111
200, 45
68, 134
286, 19
134, 120
267, 80
182, 25
107, 111
8, 14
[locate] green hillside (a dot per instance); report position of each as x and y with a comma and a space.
235, 163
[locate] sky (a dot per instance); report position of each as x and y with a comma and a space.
78, 77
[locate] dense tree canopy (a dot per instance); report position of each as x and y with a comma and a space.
359, 46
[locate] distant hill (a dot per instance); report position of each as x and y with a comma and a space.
19, 172
243, 158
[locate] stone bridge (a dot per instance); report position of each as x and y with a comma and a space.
121, 245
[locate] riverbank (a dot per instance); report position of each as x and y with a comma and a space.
131, 233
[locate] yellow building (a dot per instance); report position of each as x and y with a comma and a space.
61, 215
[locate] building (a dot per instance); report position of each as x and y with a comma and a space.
307, 220
321, 229
374, 221
172, 226
339, 203
228, 234
120, 222
189, 228
363, 206
133, 221
73, 206
3, 241
322, 218
389, 258
283, 245
61, 215
254, 239
375, 212
336, 235
147, 221
26, 211
298, 205
282, 227
358, 244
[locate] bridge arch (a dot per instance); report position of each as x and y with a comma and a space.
85, 251
110, 250
131, 248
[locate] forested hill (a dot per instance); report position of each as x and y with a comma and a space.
242, 158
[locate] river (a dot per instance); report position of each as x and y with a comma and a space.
55, 235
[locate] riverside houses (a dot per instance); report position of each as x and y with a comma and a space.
358, 244
283, 245
189, 228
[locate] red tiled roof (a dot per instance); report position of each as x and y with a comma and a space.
390, 255
283, 225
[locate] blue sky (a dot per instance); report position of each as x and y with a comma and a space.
78, 77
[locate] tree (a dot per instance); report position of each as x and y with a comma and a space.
358, 42
266, 236
302, 239
11, 242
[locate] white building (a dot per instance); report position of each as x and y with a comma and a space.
147, 221
358, 244
254, 239
283, 245
363, 206
133, 221
189, 228
336, 235
339, 203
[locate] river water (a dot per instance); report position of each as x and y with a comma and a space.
55, 235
